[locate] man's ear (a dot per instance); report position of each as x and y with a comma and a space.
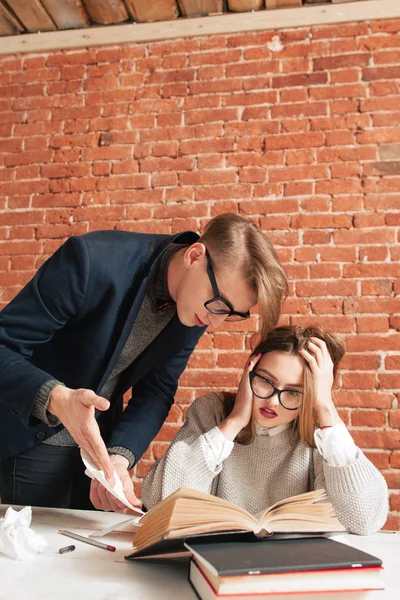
193, 254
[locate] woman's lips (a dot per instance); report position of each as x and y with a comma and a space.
198, 322
268, 413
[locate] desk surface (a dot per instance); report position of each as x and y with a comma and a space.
90, 573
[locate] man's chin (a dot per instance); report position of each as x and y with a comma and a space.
191, 320
198, 322
186, 320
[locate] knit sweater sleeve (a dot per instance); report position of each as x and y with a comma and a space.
358, 493
185, 462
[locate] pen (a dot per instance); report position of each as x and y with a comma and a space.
86, 540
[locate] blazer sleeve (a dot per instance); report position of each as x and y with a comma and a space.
44, 305
152, 398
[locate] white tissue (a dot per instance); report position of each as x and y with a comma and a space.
17, 539
116, 490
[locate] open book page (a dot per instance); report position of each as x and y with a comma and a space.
195, 512
306, 498
304, 512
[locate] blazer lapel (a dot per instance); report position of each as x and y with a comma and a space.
148, 270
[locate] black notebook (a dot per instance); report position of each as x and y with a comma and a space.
279, 556
260, 568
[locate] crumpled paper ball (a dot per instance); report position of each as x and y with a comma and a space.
17, 539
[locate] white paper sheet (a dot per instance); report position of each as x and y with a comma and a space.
117, 490
129, 526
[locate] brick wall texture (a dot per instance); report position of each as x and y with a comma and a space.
299, 129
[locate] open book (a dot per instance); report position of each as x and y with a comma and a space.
188, 512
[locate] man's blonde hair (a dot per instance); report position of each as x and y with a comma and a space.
235, 241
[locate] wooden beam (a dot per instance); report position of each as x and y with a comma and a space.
245, 5
144, 11
182, 28
32, 15
8, 23
67, 14
200, 8
284, 3
106, 11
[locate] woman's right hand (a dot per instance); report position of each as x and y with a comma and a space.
243, 407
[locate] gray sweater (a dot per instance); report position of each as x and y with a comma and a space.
147, 326
267, 470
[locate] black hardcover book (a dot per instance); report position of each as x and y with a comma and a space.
282, 555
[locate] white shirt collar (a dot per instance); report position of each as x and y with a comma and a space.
271, 431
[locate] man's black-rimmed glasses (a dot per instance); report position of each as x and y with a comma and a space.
218, 305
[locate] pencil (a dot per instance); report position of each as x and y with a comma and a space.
86, 540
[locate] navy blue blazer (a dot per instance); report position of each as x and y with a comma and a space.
70, 323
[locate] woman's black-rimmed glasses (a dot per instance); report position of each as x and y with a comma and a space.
264, 388
218, 305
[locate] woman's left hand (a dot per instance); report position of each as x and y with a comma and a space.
243, 407
321, 367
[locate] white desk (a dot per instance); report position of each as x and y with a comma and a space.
90, 573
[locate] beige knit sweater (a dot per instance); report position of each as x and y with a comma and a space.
267, 470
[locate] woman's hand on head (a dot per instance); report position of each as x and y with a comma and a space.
321, 366
243, 407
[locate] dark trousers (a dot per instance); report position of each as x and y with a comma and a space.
45, 476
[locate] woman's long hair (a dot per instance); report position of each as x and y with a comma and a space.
291, 339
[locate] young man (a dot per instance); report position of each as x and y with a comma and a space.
110, 311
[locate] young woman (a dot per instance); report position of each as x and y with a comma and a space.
280, 436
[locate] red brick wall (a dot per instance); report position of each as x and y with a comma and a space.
162, 136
